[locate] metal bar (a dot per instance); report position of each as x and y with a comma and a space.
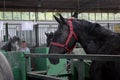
6, 31
38, 72
36, 35
95, 57
41, 76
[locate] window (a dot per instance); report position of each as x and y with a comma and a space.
1, 15
7, 15
16, 15
98, 16
104, 16
117, 16
41, 16
85, 16
92, 16
69, 15
111, 16
49, 16
80, 16
32, 15
64, 14
25, 15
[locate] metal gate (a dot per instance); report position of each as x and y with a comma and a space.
14, 29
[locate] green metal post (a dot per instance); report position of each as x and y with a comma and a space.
78, 72
36, 35
41, 63
23, 67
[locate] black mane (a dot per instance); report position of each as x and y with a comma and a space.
93, 36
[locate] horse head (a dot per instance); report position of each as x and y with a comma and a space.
15, 43
90, 35
64, 38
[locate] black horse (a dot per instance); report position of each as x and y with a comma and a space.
13, 44
94, 39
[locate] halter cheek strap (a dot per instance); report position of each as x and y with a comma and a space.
72, 33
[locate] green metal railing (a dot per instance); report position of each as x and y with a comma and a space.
80, 62
95, 57
17, 62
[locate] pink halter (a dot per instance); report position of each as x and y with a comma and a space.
72, 33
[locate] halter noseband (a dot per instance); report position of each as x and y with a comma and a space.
72, 33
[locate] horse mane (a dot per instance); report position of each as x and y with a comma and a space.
94, 36
95, 29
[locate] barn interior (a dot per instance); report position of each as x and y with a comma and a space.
30, 20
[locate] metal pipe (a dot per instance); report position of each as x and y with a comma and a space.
41, 76
36, 35
6, 31
95, 57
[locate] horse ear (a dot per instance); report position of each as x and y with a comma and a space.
57, 19
47, 34
63, 20
75, 15
51, 33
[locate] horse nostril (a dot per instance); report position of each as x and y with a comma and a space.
54, 60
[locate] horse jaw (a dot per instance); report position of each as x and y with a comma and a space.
55, 50
54, 60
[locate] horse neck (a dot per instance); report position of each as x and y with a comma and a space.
88, 43
102, 32
7, 46
82, 40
